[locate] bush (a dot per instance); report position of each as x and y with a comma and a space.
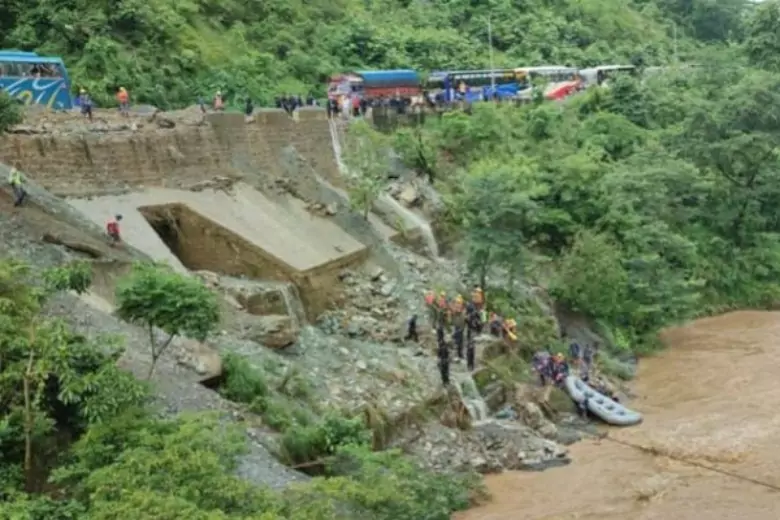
11, 112
313, 443
242, 382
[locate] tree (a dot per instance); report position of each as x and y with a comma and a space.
367, 157
160, 298
50, 378
762, 38
494, 206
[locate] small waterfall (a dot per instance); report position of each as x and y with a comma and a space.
472, 399
409, 218
412, 220
292, 300
336, 142
293, 306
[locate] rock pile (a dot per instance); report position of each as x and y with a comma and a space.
490, 446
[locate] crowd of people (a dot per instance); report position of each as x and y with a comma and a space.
457, 322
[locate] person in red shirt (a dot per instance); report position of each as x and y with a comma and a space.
112, 228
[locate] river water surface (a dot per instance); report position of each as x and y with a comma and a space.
712, 424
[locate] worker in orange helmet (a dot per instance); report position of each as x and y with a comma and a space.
430, 307
442, 305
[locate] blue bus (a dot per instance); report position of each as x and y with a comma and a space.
35, 79
476, 85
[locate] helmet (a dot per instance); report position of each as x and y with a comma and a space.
559, 356
478, 289
83, 91
443, 293
122, 89
459, 298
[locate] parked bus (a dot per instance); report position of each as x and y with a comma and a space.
561, 81
35, 79
475, 85
599, 75
376, 84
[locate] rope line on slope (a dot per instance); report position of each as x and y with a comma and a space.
655, 452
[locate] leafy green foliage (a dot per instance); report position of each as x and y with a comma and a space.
652, 200
76, 441
367, 158
51, 380
10, 112
158, 297
170, 52
76, 276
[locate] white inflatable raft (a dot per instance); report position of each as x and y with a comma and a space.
600, 405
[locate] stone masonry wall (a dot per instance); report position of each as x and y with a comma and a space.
87, 160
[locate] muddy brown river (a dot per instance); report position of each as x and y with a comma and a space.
712, 426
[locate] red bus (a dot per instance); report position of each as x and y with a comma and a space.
561, 81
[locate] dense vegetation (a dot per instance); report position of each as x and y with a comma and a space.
167, 52
641, 205
652, 201
79, 438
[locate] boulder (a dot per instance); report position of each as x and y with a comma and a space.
272, 331
198, 356
409, 196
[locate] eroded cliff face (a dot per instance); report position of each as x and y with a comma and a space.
70, 157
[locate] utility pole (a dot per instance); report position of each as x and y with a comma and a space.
490, 50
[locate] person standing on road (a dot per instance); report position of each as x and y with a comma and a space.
123, 98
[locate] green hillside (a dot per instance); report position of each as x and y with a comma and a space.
167, 52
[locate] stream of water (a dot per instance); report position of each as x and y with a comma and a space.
711, 425
411, 220
472, 399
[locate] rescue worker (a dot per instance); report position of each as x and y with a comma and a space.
575, 352
495, 325
470, 353
16, 181
442, 305
411, 331
478, 297
473, 320
112, 229
510, 329
587, 360
123, 98
430, 306
443, 354
541, 362
559, 369
458, 324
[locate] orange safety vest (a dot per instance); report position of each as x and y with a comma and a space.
430, 298
122, 96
